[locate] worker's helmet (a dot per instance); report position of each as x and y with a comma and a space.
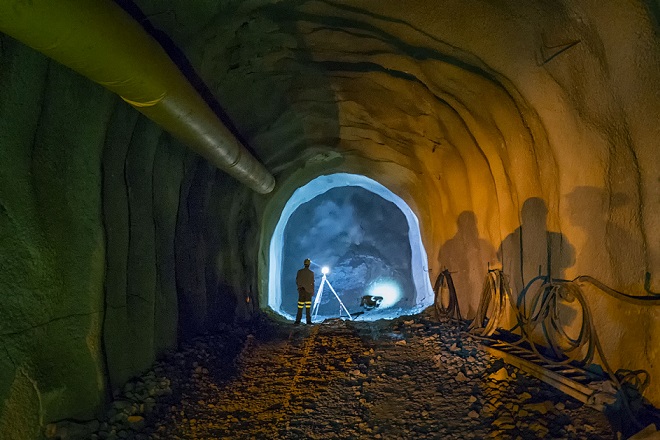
307, 261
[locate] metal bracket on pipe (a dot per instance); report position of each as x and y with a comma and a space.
647, 285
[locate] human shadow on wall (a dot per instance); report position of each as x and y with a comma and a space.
532, 251
467, 257
613, 252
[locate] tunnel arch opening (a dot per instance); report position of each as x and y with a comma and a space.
422, 293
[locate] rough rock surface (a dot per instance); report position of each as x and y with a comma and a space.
385, 380
507, 126
100, 212
362, 237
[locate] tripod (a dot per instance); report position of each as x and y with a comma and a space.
317, 301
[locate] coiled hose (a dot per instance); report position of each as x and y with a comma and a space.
496, 290
545, 313
452, 310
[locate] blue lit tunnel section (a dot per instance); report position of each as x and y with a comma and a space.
367, 237
388, 290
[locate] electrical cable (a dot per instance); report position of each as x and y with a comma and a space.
452, 310
545, 312
650, 298
496, 290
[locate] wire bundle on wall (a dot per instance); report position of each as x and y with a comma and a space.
545, 313
452, 310
496, 291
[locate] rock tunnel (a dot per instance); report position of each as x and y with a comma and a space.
373, 247
518, 135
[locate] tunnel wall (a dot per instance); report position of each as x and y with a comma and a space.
515, 130
53, 128
140, 207
109, 244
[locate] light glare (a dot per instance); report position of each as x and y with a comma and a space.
325, 270
389, 290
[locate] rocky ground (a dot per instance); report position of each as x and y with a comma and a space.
411, 378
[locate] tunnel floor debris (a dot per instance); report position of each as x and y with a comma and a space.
410, 378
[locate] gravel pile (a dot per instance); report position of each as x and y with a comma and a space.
410, 378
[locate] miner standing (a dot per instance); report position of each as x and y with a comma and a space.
305, 283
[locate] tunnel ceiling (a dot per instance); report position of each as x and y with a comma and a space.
363, 80
457, 107
481, 105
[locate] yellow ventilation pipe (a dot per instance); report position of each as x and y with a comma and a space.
99, 40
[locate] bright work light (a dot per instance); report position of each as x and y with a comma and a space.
317, 302
387, 289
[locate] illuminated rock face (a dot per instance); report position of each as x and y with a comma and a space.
509, 131
361, 237
367, 236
